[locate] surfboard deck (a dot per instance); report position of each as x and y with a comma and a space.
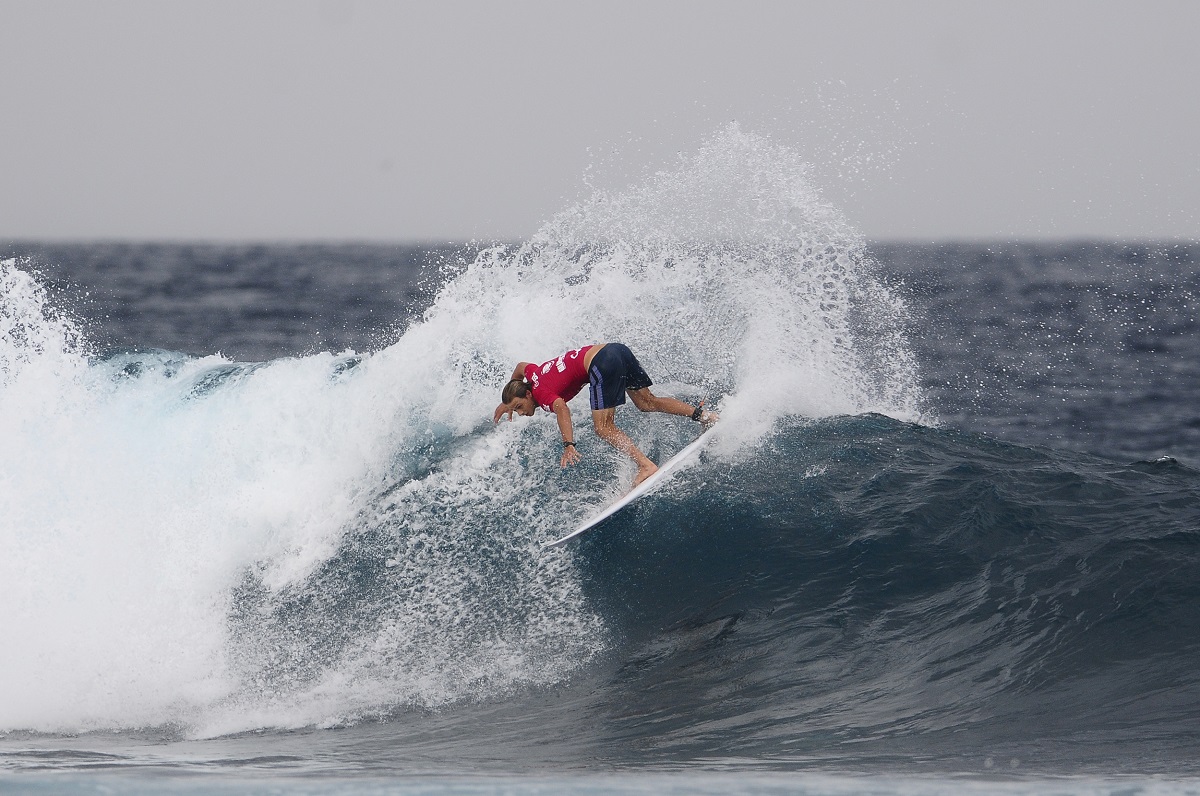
641, 490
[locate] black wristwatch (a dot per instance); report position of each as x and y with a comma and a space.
568, 442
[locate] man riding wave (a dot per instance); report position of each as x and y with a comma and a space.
612, 371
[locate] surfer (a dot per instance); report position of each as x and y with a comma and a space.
612, 371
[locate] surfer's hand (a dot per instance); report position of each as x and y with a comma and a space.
500, 412
570, 456
706, 418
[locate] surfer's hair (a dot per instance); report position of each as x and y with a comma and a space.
517, 388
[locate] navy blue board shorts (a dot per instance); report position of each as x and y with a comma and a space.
614, 370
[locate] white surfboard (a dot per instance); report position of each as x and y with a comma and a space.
644, 488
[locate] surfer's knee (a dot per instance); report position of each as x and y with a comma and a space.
602, 421
644, 400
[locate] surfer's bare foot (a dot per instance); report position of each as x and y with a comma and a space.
644, 472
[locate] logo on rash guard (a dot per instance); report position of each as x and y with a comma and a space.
560, 364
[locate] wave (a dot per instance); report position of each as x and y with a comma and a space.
218, 546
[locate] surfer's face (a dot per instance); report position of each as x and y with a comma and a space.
523, 406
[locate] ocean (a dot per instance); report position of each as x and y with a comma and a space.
260, 534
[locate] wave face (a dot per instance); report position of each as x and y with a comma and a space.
861, 586
203, 548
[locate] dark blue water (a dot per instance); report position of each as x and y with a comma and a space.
1089, 346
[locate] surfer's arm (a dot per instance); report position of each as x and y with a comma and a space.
519, 372
563, 414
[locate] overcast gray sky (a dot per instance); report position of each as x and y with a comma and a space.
432, 121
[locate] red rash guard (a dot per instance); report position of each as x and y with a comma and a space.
559, 378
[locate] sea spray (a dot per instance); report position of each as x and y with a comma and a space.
727, 274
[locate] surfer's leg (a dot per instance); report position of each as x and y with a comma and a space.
606, 429
649, 402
